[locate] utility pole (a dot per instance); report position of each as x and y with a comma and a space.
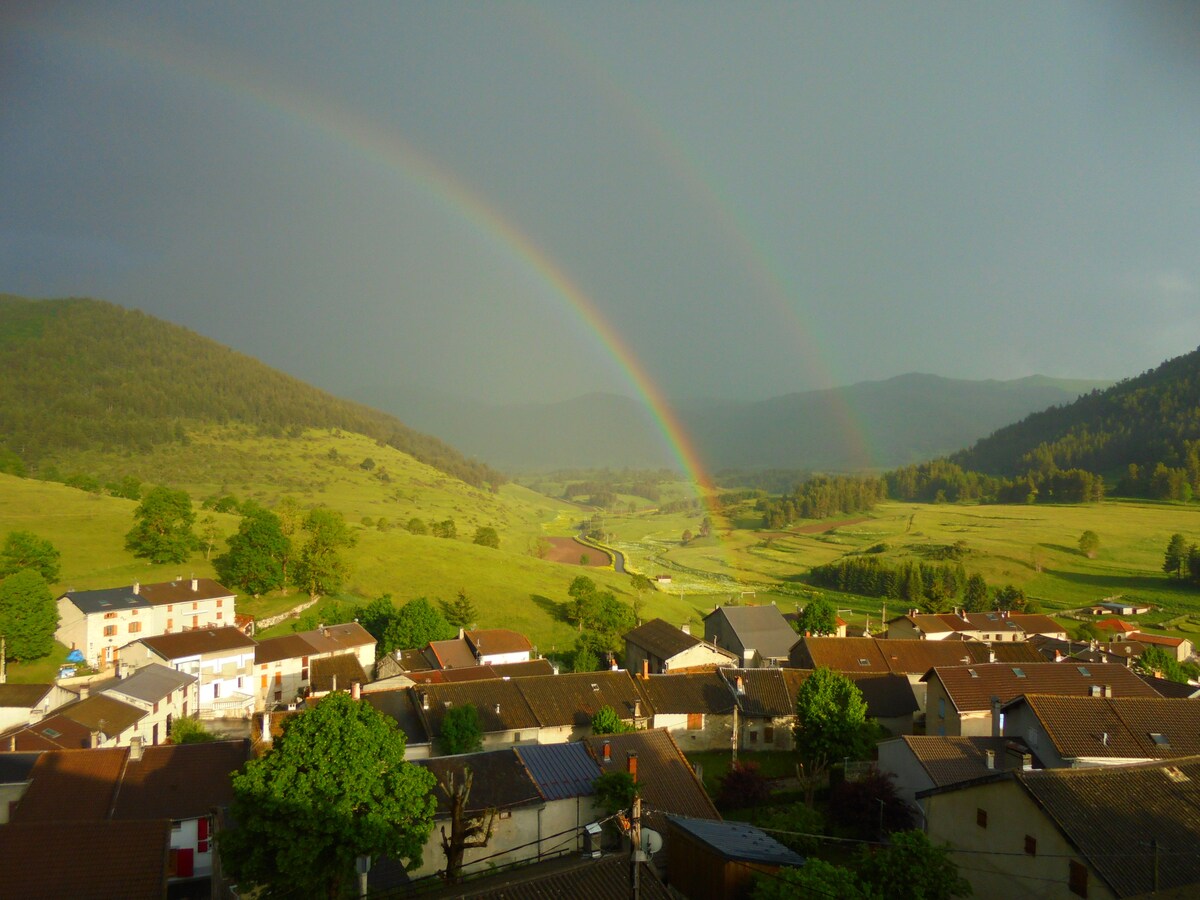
3, 662
635, 834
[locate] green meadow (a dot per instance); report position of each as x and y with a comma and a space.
379, 489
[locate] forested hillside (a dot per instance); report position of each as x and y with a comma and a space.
1151, 422
81, 373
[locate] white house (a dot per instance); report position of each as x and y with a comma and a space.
222, 659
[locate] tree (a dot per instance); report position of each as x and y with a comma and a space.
417, 526
186, 730
870, 807
583, 596
466, 832
912, 867
1089, 543
816, 878
162, 528
818, 618
975, 594
1175, 559
686, 537
486, 536
25, 550
334, 787
209, 532
606, 721
584, 659
461, 731
28, 615
539, 547
831, 724
459, 612
615, 790
1158, 662
320, 569
444, 529
1010, 598
291, 520
414, 625
254, 561
743, 786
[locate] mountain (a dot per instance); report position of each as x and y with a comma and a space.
876, 424
81, 373
1150, 419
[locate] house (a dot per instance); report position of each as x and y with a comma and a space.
708, 860
1123, 652
98, 623
998, 626
1180, 648
1101, 832
962, 700
1115, 627
485, 647
14, 780
505, 716
1070, 732
758, 635
890, 700
696, 708
766, 702
400, 705
283, 664
1119, 608
657, 647
922, 762
669, 784
222, 659
112, 713
565, 704
841, 626
331, 673
179, 785
21, 704
481, 673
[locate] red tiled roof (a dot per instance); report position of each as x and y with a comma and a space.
72, 785
184, 781
1160, 640
492, 641
971, 688
197, 642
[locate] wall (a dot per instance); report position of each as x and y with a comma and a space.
911, 777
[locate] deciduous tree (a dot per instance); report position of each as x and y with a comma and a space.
334, 787
831, 724
486, 536
321, 568
28, 615
1175, 560
466, 831
606, 721
461, 730
413, 626
254, 560
818, 618
25, 550
162, 527
1089, 543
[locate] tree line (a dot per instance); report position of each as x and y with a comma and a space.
821, 497
930, 587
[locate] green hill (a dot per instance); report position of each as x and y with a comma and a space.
83, 374
1151, 419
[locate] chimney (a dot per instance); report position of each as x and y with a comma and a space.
741, 685
266, 728
12, 743
398, 654
686, 628
195, 585
83, 692
137, 587
631, 765
424, 700
637, 709
991, 759
1026, 762
996, 717
1108, 690
462, 632
135, 748
991, 655
497, 709
333, 686
1104, 738
94, 740
606, 753
614, 664
1058, 657
645, 668
356, 690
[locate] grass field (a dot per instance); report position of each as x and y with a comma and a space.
1032, 547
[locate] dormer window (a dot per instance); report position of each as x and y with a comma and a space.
864, 662
1020, 673
1160, 740
1084, 672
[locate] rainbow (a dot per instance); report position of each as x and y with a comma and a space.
393, 152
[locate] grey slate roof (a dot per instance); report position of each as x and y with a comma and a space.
760, 628
661, 638
150, 684
560, 770
107, 600
737, 840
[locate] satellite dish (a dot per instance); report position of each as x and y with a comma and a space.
652, 841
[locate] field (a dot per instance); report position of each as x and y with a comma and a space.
379, 490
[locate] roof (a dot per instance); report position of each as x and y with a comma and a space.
1123, 819
887, 696
198, 641
907, 657
150, 684
764, 692
1115, 624
341, 670
23, 696
738, 841
455, 653
106, 600
660, 638
326, 640
185, 590
498, 640
54, 732
572, 699
952, 760
71, 785
184, 781
522, 669
499, 781
99, 712
669, 785
971, 688
501, 705
15, 767
114, 859
607, 876
1117, 727
1160, 640
759, 628
1166, 688
398, 704
560, 771
699, 692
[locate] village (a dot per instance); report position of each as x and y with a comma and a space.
1026, 753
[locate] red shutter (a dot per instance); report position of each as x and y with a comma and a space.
183, 863
202, 835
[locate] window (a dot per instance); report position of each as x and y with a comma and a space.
505, 814
1160, 740
195, 605
1077, 880
769, 734
981, 818
133, 612
941, 707
1030, 845
170, 607
754, 737
1084, 672
303, 674
219, 602
216, 689
264, 683
156, 706
219, 616
279, 696
516, 737
1020, 673
110, 615
695, 721
278, 679
110, 630
170, 624
135, 627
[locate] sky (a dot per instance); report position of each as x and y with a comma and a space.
520, 202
